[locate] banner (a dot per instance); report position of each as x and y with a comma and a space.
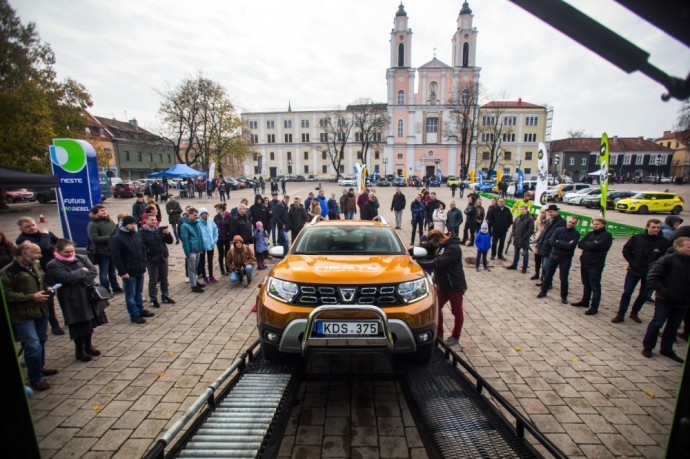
499, 176
211, 170
74, 162
520, 182
481, 177
542, 175
471, 175
439, 176
604, 171
405, 176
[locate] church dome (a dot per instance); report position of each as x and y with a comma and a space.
401, 11
465, 9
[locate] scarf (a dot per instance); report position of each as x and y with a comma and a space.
63, 259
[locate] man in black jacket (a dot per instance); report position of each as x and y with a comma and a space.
595, 246
369, 209
522, 231
155, 240
563, 242
223, 222
297, 215
499, 218
544, 242
450, 279
640, 252
282, 219
129, 257
397, 206
670, 278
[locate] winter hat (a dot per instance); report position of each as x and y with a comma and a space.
259, 225
202, 210
485, 226
237, 238
128, 220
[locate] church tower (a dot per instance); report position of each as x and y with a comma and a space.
400, 74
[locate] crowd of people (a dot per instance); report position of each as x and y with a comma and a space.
41, 267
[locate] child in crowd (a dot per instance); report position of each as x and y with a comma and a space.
483, 243
260, 245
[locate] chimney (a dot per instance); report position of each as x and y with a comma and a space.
519, 100
134, 123
666, 133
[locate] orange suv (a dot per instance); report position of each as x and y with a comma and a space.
347, 285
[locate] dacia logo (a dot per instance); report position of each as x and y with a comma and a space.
347, 294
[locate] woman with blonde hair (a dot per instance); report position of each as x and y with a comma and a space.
314, 209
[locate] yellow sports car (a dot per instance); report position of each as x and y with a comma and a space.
651, 201
453, 180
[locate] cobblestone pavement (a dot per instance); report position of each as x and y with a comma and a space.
581, 379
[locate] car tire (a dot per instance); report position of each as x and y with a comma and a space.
423, 354
643, 210
41, 199
676, 210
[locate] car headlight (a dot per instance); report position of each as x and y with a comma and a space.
281, 290
413, 290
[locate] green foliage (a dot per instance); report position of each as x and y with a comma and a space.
34, 106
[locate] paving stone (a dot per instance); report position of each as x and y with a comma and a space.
286, 445
390, 426
313, 416
335, 446
337, 426
393, 447
58, 438
363, 417
364, 436
78, 446
112, 440
618, 444
309, 435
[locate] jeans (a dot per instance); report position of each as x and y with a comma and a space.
192, 265
158, 272
283, 240
591, 283
274, 231
223, 247
455, 299
205, 260
663, 314
525, 257
544, 265
176, 230
498, 239
106, 273
398, 218
481, 254
134, 287
563, 265
349, 215
237, 277
417, 223
631, 281
33, 334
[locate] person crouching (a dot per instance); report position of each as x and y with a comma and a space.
240, 261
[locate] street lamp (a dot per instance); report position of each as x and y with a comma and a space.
385, 166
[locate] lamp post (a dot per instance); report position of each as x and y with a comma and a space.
385, 167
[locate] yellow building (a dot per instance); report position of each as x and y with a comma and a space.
678, 142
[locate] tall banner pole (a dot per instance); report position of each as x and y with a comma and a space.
604, 171
542, 176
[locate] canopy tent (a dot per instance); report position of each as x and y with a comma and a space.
11, 179
179, 171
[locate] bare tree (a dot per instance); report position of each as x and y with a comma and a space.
492, 131
336, 127
370, 123
577, 134
464, 108
683, 123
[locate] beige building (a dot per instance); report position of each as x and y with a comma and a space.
678, 143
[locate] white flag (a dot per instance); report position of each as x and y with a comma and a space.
542, 176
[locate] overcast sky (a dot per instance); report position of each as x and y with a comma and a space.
324, 54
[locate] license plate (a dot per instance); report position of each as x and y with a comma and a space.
347, 328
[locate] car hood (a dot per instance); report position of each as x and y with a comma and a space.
374, 269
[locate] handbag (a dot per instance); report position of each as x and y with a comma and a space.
98, 293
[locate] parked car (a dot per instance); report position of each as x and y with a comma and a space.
399, 181
383, 182
232, 183
552, 193
594, 202
347, 181
434, 181
125, 189
453, 180
574, 197
312, 178
20, 195
300, 178
365, 270
652, 201
45, 195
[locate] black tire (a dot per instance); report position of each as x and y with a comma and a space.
643, 210
676, 210
41, 199
423, 354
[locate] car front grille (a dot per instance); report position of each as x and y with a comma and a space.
621, 206
376, 295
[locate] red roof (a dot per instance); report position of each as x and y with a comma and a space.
616, 144
510, 104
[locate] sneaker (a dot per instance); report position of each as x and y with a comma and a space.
155, 304
478, 269
487, 269
199, 284
591, 311
58, 331
452, 341
138, 320
146, 313
511, 267
538, 284
40, 385
541, 295
618, 319
635, 318
671, 355
523, 270
564, 300
197, 289
167, 300
580, 304
49, 371
186, 280
212, 280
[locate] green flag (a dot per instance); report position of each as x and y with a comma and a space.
604, 171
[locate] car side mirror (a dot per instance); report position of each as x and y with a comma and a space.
419, 252
277, 251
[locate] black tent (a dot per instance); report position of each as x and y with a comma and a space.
11, 179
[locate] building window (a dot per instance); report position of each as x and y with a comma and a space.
401, 55
272, 156
271, 138
270, 124
431, 125
169, 158
305, 124
323, 155
341, 122
488, 120
306, 168
528, 171
572, 161
485, 156
509, 137
160, 157
639, 159
528, 156
306, 155
305, 137
583, 162
324, 169
400, 156
530, 137
400, 128
340, 137
506, 171
613, 159
323, 122
323, 137
507, 155
401, 97
358, 136
139, 156
289, 156
359, 155
465, 54
288, 138
509, 120
487, 136
627, 157
289, 168
377, 154
253, 124
126, 156
255, 138
287, 124
465, 96
531, 120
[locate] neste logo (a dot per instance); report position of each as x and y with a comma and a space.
68, 154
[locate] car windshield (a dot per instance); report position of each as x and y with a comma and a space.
348, 240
